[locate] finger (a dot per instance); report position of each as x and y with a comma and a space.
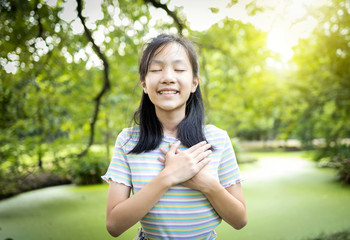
203, 163
201, 150
161, 159
195, 147
200, 157
164, 151
173, 147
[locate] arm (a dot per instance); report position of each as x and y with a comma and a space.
123, 212
228, 202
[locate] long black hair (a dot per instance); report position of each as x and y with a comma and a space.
190, 130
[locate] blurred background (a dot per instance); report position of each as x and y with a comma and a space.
274, 74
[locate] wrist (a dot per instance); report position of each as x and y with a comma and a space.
166, 179
212, 188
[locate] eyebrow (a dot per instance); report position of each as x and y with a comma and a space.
157, 61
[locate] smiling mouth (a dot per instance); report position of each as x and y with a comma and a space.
168, 92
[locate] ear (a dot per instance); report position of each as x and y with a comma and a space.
143, 84
195, 84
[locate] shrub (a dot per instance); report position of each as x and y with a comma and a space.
338, 157
89, 169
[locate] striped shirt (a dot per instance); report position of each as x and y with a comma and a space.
181, 213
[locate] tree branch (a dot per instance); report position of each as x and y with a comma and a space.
106, 84
40, 25
179, 23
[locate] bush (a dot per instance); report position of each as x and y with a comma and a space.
89, 169
338, 157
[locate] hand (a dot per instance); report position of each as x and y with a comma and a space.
202, 180
180, 166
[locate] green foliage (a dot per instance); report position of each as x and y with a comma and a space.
214, 10
323, 75
253, 8
241, 94
89, 168
338, 157
323, 85
47, 99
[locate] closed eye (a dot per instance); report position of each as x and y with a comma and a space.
180, 70
155, 70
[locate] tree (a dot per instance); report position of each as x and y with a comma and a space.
323, 85
242, 93
51, 72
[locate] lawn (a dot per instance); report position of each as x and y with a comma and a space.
287, 198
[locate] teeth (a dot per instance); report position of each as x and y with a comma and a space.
168, 92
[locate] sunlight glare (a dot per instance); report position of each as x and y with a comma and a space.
285, 22
278, 40
289, 28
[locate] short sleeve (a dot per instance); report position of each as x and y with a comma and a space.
228, 171
119, 170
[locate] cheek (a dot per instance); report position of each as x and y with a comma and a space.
189, 86
147, 83
187, 94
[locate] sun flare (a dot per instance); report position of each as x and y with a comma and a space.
287, 29
285, 22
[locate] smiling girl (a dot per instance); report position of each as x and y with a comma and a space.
183, 174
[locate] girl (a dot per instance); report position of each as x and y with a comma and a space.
183, 175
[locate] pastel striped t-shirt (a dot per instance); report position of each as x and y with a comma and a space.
182, 213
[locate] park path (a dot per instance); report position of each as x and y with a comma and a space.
275, 167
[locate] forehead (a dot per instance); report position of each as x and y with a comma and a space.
170, 52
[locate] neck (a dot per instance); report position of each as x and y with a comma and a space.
170, 121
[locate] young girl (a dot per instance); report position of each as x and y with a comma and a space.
183, 174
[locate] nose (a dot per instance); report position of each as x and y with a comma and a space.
168, 76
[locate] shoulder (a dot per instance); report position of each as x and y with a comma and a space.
128, 134
216, 136
211, 131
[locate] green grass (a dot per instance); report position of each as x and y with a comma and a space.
298, 204
343, 235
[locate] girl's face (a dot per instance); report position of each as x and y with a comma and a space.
169, 80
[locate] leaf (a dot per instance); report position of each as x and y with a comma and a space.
231, 3
252, 8
214, 10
